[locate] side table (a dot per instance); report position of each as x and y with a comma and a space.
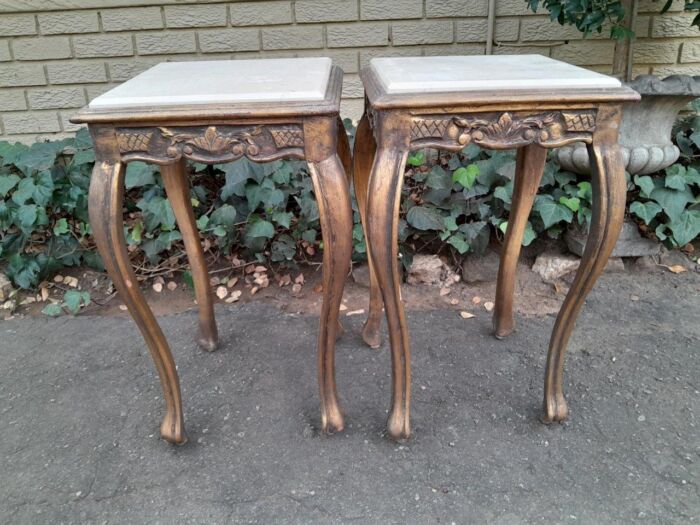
528, 102
215, 112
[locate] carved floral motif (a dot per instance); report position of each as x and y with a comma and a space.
503, 129
212, 142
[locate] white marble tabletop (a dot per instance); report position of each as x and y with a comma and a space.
220, 82
402, 75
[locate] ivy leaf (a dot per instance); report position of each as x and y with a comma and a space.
24, 191
283, 218
425, 218
7, 182
504, 193
573, 203
23, 270
477, 235
645, 210
53, 310
157, 212
74, 299
27, 215
416, 159
43, 188
223, 216
61, 227
39, 157
686, 228
236, 179
439, 179
528, 236
672, 201
675, 177
260, 228
84, 156
551, 211
466, 176
585, 191
139, 174
459, 243
645, 184
692, 176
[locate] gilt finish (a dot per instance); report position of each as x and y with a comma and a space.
212, 134
531, 121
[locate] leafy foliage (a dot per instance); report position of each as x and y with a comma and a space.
590, 16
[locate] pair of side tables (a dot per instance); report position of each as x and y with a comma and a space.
215, 112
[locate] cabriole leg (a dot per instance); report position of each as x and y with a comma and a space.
333, 197
529, 167
177, 188
365, 149
384, 201
105, 208
609, 190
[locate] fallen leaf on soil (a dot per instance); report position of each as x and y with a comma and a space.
476, 300
27, 300
232, 282
318, 288
343, 307
296, 288
172, 285
260, 269
122, 307
454, 301
488, 305
444, 292
159, 279
254, 290
676, 268
466, 315
70, 281
235, 296
221, 292
285, 280
58, 278
299, 279
355, 312
44, 294
214, 281
158, 287
634, 297
250, 269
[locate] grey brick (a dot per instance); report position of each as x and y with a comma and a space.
455, 49
368, 54
396, 9
98, 89
514, 7
352, 108
655, 52
12, 75
358, 35
60, 22
13, 25
41, 48
166, 42
474, 30
76, 72
13, 100
675, 25
229, 40
352, 86
691, 52
423, 32
325, 10
131, 19
686, 69
654, 6
55, 97
521, 50
31, 122
532, 29
195, 15
260, 13
66, 124
296, 37
585, 53
458, 8
103, 46
5, 51
120, 71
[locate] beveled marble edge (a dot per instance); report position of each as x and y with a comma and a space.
219, 112
380, 99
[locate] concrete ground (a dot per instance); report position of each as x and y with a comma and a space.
80, 406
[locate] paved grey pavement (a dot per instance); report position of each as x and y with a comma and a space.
80, 407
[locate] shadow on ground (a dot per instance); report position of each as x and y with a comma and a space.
80, 407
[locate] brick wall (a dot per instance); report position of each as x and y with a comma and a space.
55, 57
